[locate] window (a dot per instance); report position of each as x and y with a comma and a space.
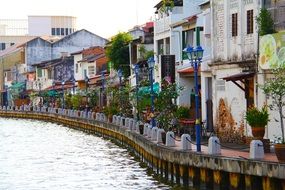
234, 24
70, 30
85, 72
220, 85
39, 72
76, 68
62, 31
53, 31
66, 31
187, 40
91, 70
249, 22
58, 31
11, 44
3, 46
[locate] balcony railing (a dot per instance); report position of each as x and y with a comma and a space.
162, 25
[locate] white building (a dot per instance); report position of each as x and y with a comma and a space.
16, 31
51, 25
188, 21
234, 50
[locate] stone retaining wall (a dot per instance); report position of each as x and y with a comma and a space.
187, 168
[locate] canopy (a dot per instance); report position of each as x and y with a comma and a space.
18, 86
146, 89
52, 93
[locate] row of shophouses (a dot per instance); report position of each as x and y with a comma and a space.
230, 68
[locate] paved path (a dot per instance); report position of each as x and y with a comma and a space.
231, 153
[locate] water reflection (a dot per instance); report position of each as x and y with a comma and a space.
38, 155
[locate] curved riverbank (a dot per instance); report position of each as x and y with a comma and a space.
181, 167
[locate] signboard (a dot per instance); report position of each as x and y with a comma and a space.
272, 51
168, 68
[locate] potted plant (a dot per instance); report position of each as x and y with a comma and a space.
109, 111
257, 119
275, 88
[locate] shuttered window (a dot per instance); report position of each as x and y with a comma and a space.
234, 24
249, 21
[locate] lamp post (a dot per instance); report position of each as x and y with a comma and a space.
86, 79
151, 63
73, 86
62, 86
195, 57
40, 94
103, 81
120, 75
136, 69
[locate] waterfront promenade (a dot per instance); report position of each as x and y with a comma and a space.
231, 168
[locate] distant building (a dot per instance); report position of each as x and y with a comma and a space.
51, 25
16, 31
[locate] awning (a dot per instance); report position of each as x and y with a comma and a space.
146, 89
239, 77
189, 70
19, 85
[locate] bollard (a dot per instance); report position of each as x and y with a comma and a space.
159, 135
214, 146
149, 128
145, 128
130, 124
137, 125
170, 139
89, 115
118, 121
185, 142
127, 120
154, 134
256, 150
97, 116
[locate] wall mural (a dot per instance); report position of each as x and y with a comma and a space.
272, 51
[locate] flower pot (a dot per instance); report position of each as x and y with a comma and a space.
280, 152
258, 132
163, 137
110, 118
141, 129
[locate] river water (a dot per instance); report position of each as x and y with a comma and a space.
38, 155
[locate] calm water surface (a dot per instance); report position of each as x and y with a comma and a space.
39, 155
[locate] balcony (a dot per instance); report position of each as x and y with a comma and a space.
162, 25
39, 84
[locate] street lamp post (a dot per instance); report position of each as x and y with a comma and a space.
136, 69
73, 86
151, 63
40, 94
62, 86
53, 98
86, 79
120, 75
103, 81
195, 57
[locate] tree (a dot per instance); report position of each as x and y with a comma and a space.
265, 22
164, 104
275, 88
118, 52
